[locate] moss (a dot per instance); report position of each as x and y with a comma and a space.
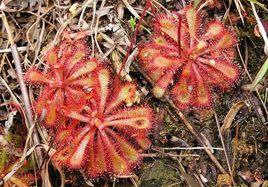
159, 174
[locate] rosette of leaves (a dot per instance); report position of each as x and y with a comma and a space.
188, 56
65, 81
109, 135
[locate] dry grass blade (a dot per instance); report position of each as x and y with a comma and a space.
191, 181
224, 149
67, 22
91, 28
22, 159
9, 50
97, 26
264, 67
260, 75
23, 88
162, 154
190, 148
200, 140
14, 98
131, 9
262, 5
133, 182
261, 28
230, 116
240, 8
128, 62
245, 62
160, 5
192, 130
46, 181
62, 176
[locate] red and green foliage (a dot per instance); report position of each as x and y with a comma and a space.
106, 137
97, 129
67, 81
187, 57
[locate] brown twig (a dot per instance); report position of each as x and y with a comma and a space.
25, 97
235, 147
68, 21
224, 148
177, 112
197, 136
97, 26
244, 62
133, 39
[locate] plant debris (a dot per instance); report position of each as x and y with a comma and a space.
113, 99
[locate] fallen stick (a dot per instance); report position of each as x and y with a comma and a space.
196, 135
25, 96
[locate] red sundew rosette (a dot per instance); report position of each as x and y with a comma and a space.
202, 61
106, 138
67, 82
